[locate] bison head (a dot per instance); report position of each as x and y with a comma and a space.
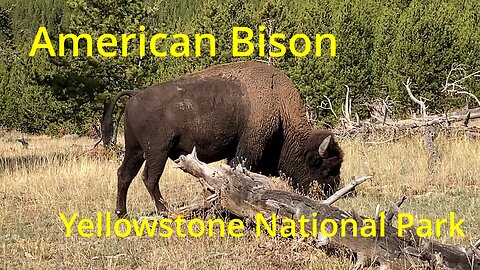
321, 160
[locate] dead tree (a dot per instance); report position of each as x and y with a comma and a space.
457, 87
246, 194
428, 130
381, 124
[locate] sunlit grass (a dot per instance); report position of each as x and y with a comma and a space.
33, 193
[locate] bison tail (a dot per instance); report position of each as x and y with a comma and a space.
107, 119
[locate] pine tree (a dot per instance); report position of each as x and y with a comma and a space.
86, 83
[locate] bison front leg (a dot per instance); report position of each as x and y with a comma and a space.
249, 152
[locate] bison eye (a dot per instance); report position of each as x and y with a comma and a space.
313, 159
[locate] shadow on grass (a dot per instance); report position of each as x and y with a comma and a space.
32, 161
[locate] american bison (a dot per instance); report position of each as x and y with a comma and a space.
244, 112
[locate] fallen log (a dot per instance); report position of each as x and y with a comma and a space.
430, 120
380, 124
247, 195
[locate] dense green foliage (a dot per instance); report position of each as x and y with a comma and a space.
379, 45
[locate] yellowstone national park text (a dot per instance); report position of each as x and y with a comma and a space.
182, 45
106, 226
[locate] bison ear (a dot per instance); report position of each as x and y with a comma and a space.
323, 146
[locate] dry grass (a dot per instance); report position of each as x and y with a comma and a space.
33, 193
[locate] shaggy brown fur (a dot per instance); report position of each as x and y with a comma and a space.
244, 110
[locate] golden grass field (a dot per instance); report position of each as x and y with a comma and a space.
33, 194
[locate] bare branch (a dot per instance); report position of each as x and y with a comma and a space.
451, 87
347, 108
423, 108
392, 211
469, 94
351, 186
328, 106
477, 244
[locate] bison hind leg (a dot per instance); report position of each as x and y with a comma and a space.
151, 177
131, 164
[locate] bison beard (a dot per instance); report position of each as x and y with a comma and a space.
243, 111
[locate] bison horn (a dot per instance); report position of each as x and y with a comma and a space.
194, 152
323, 146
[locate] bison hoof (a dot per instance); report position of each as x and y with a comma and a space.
121, 214
159, 214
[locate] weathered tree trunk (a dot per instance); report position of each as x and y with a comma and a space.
381, 124
247, 194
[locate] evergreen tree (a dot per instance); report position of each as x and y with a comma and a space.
86, 83
379, 45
